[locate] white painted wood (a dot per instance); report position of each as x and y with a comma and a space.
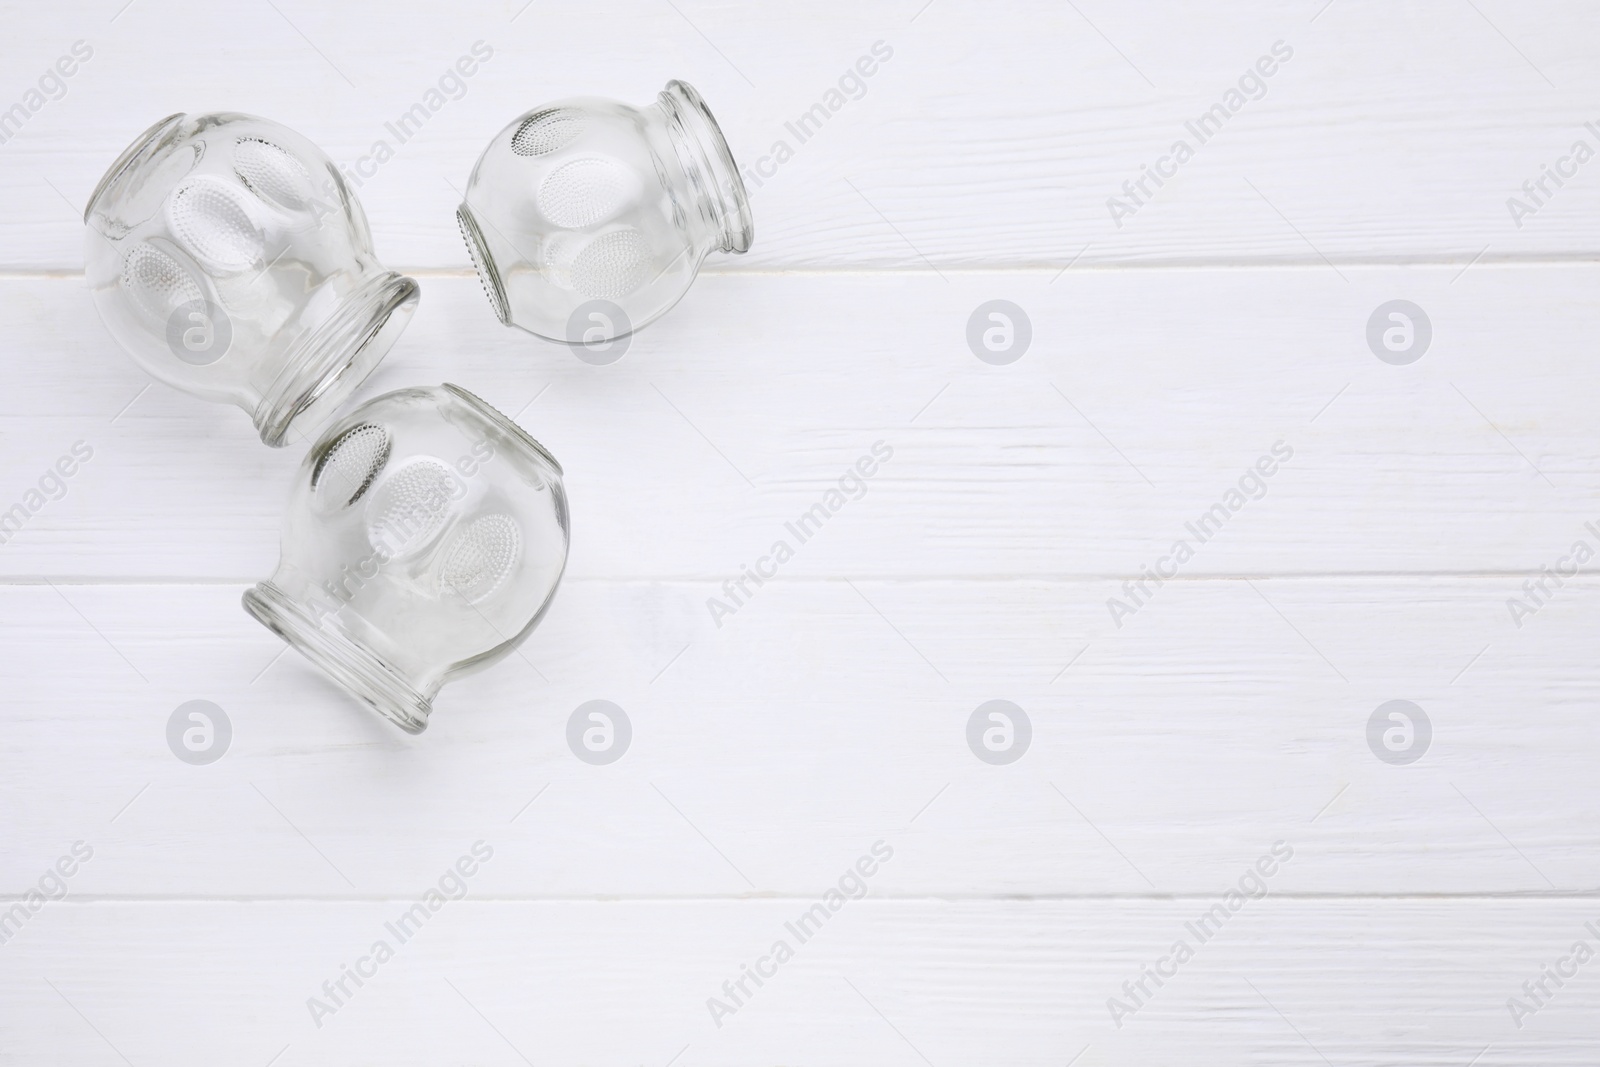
947, 983
1144, 398
1227, 713
994, 135
1164, 757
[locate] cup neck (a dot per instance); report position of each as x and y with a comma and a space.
708, 164
359, 669
324, 367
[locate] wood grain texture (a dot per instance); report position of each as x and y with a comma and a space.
994, 136
1181, 731
1165, 755
946, 983
1143, 400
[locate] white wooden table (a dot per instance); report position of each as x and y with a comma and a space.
1173, 746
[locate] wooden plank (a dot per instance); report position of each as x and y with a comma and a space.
1180, 731
991, 137
1223, 716
882, 982
732, 417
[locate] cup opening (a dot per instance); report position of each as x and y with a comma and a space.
328, 365
722, 187
142, 148
358, 670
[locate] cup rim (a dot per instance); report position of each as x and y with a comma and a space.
329, 364
738, 225
504, 421
140, 149
354, 667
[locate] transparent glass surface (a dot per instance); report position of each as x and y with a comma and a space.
589, 218
227, 256
425, 536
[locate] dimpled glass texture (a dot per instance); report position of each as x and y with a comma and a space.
425, 536
227, 256
588, 218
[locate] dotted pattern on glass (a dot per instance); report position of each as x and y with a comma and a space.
410, 505
480, 556
272, 173
560, 249
483, 266
212, 224
347, 469
157, 282
583, 192
547, 131
612, 265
